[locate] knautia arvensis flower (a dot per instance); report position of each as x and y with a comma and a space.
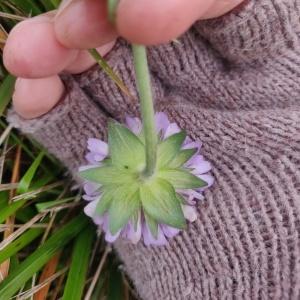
125, 203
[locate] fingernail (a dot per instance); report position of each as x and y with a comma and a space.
112, 6
64, 5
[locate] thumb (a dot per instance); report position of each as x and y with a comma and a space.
35, 97
155, 21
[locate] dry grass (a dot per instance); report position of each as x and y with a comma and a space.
44, 240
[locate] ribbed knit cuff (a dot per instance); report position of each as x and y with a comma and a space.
64, 130
245, 242
103, 90
258, 29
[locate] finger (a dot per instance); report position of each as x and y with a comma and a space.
32, 50
155, 21
84, 60
84, 24
35, 97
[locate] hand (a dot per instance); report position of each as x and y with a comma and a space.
37, 50
233, 83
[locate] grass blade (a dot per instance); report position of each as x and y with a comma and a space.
56, 3
80, 261
29, 7
110, 72
25, 214
3, 37
41, 256
48, 5
21, 242
28, 294
27, 178
48, 272
97, 274
6, 91
10, 210
3, 199
115, 285
15, 234
10, 221
43, 206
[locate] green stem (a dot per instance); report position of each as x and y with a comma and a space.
147, 108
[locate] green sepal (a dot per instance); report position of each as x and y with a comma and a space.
141, 136
181, 179
169, 148
182, 157
152, 225
106, 162
125, 148
125, 204
105, 202
181, 199
160, 202
108, 175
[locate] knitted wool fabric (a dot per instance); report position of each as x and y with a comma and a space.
232, 82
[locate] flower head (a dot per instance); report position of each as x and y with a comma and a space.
124, 203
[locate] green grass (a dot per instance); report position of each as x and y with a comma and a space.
48, 248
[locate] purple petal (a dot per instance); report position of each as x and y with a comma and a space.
192, 145
132, 233
87, 167
90, 198
208, 179
186, 196
98, 146
169, 231
195, 195
134, 124
90, 188
90, 158
94, 158
190, 213
194, 160
105, 227
172, 129
201, 167
111, 238
162, 122
191, 195
150, 240
90, 209
98, 220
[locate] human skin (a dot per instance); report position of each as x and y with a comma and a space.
37, 50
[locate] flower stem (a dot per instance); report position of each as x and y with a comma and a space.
146, 106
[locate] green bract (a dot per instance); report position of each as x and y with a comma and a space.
126, 191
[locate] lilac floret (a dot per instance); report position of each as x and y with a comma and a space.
98, 151
134, 124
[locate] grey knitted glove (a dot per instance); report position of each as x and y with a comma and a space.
233, 83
